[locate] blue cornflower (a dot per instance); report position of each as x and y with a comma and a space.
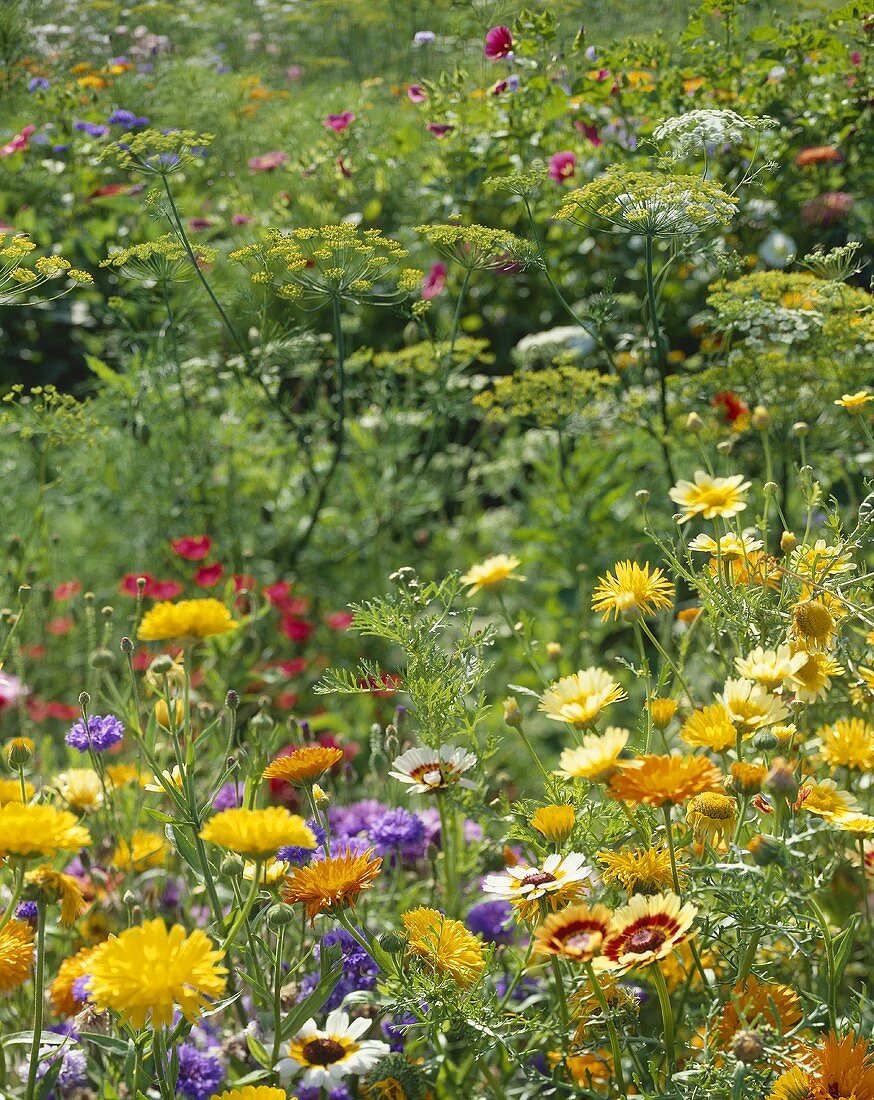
491, 920
359, 969
102, 733
74, 1067
121, 117
289, 853
93, 129
200, 1072
26, 911
38, 84
398, 830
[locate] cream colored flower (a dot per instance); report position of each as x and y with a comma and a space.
579, 699
750, 707
710, 497
596, 758
773, 669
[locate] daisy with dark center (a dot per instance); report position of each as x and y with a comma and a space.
575, 933
333, 884
338, 1050
557, 882
632, 592
428, 770
304, 765
646, 930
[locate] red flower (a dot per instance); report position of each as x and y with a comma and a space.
384, 687
244, 581
591, 132
287, 700
39, 710
498, 44
67, 589
192, 547
731, 405
163, 590
277, 593
266, 162
294, 667
207, 576
59, 627
439, 129
338, 123
562, 166
130, 583
298, 630
339, 620
434, 282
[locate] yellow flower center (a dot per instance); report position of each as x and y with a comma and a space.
814, 620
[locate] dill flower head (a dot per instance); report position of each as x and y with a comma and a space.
258, 833
331, 884
709, 728
28, 829
597, 758
550, 396
639, 870
849, 743
163, 260
554, 822
61, 991
303, 765
825, 800
22, 272
574, 933
632, 592
445, 944
559, 881
579, 698
330, 1054
494, 572
16, 954
157, 152
756, 1004
647, 929
694, 132
660, 780
710, 497
815, 623
479, 248
750, 707
650, 203
186, 619
771, 668
80, 788
712, 817
54, 886
147, 972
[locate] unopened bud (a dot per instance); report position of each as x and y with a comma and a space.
747, 1047
788, 542
553, 649
512, 713
761, 418
279, 916
261, 723
19, 752
766, 850
320, 796
781, 779
161, 665
102, 658
694, 423
231, 866
765, 741
642, 496
724, 446
232, 700
84, 699
24, 594
129, 898
126, 645
771, 488
801, 428
393, 943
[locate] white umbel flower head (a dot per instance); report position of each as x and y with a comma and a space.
427, 770
697, 132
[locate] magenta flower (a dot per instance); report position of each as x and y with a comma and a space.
562, 166
500, 87
499, 43
591, 132
266, 162
439, 129
338, 123
11, 690
434, 281
417, 93
19, 143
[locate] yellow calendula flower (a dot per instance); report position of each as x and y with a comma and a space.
305, 764
27, 829
747, 778
80, 788
597, 758
709, 728
445, 944
253, 1092
186, 619
16, 954
494, 572
756, 1004
579, 699
162, 713
855, 402
329, 885
258, 833
270, 874
664, 780
848, 743
794, 1084
554, 822
710, 497
10, 791
574, 933
149, 971
750, 707
640, 870
144, 850
712, 817
661, 711
55, 886
632, 592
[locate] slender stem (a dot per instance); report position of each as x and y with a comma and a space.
866, 904
38, 998
660, 361
246, 907
564, 1015
277, 997
749, 957
611, 1027
669, 835
658, 980
17, 887
449, 868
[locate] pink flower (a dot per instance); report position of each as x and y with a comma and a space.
66, 589
163, 590
562, 166
19, 143
417, 93
338, 123
199, 223
192, 547
266, 162
591, 132
294, 72
499, 43
434, 281
207, 576
298, 630
339, 620
242, 219
60, 626
244, 582
278, 593
11, 690
439, 129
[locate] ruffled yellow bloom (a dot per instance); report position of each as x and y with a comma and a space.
253, 1092
662, 780
445, 944
771, 668
709, 728
579, 699
747, 778
848, 743
554, 822
304, 764
16, 954
147, 972
712, 817
812, 681
597, 758
27, 829
271, 873
842, 1068
144, 850
750, 707
661, 711
80, 788
55, 886
10, 791
825, 800
258, 833
186, 619
710, 497
632, 592
494, 572
328, 885
640, 870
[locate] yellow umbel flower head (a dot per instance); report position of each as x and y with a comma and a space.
16, 954
27, 829
186, 619
149, 971
258, 833
445, 944
632, 592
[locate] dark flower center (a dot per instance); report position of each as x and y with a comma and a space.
323, 1052
646, 939
539, 878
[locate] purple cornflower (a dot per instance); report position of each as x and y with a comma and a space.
121, 117
356, 818
79, 989
228, 797
93, 129
423, 38
73, 1069
26, 911
200, 1072
310, 1092
359, 969
38, 84
492, 920
292, 854
398, 832
102, 733
395, 1030
520, 991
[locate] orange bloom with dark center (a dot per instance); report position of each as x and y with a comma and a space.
646, 930
304, 764
575, 933
659, 780
327, 885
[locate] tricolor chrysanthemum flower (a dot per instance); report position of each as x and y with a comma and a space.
557, 882
574, 933
426, 770
645, 930
579, 699
710, 497
327, 1055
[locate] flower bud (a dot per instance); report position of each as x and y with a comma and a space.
19, 752
24, 594
766, 850
747, 1047
642, 496
320, 796
261, 723
392, 942
231, 866
161, 665
553, 649
694, 423
770, 488
662, 711
102, 658
162, 713
512, 713
788, 542
781, 780
84, 699
765, 741
126, 645
232, 700
724, 446
279, 916
801, 428
761, 418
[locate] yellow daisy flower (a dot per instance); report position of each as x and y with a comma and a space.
855, 402
712, 817
640, 870
579, 699
848, 743
55, 886
812, 681
445, 944
16, 954
494, 572
303, 765
632, 592
258, 833
825, 800
27, 829
710, 497
252, 1092
186, 619
597, 758
709, 728
815, 622
80, 788
554, 822
750, 707
771, 668
144, 850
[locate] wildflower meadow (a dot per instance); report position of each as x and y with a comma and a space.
436, 620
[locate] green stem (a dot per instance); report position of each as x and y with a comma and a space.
611, 1028
17, 887
449, 868
669, 836
866, 904
660, 361
38, 998
658, 980
563, 1014
246, 908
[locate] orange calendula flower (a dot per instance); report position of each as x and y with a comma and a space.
661, 780
755, 1004
842, 1068
64, 1001
16, 954
632, 592
645, 930
304, 765
328, 885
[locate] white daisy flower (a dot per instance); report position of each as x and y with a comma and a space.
338, 1051
427, 769
558, 874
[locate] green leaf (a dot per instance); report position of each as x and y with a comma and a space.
258, 1051
311, 1004
110, 1043
109, 377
